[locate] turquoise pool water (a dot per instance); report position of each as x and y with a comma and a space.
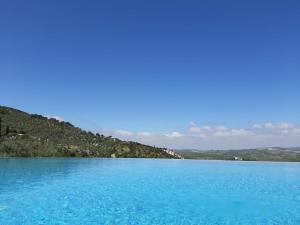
145, 191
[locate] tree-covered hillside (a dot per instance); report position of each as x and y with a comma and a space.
30, 135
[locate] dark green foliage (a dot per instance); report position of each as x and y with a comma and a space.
36, 135
7, 130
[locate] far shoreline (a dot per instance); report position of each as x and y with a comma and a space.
167, 159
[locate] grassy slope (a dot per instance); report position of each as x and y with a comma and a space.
35, 135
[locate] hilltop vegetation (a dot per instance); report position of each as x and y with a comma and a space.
31, 135
264, 154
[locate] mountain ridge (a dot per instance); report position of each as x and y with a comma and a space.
33, 135
291, 154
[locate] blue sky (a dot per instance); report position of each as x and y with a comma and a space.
153, 66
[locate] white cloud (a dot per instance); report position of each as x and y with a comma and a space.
221, 134
232, 133
256, 126
202, 136
268, 125
240, 132
193, 124
195, 129
174, 134
144, 134
55, 117
217, 137
286, 125
285, 131
208, 128
221, 128
125, 132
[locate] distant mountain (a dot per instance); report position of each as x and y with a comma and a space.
294, 148
258, 154
31, 135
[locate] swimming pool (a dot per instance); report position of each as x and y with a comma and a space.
148, 191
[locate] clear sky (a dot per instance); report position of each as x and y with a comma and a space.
155, 71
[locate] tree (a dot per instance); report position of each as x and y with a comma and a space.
0, 127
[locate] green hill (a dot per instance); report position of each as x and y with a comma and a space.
259, 154
30, 135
